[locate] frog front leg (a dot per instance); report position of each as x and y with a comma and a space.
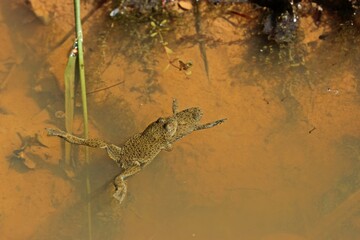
175, 106
168, 147
121, 184
209, 125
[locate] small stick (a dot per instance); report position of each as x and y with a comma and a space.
105, 88
312, 130
6, 80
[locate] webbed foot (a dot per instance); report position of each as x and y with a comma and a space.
210, 125
55, 132
120, 189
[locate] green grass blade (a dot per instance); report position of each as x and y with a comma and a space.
69, 77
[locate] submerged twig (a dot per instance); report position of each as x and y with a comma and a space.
4, 83
240, 14
313, 129
199, 34
105, 88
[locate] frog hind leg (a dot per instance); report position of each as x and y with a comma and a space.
114, 152
209, 125
120, 182
91, 142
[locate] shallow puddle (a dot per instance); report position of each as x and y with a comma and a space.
284, 165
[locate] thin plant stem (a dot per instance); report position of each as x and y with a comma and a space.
162, 43
105, 88
79, 36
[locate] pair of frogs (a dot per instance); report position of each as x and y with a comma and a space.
142, 148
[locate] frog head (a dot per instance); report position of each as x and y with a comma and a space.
162, 128
189, 116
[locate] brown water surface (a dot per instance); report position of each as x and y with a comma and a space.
285, 164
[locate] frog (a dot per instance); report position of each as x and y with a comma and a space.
139, 150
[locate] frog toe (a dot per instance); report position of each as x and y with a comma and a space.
119, 195
120, 188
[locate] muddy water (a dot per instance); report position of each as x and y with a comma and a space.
285, 165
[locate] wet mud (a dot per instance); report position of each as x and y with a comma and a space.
285, 164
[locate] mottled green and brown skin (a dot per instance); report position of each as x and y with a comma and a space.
188, 121
142, 148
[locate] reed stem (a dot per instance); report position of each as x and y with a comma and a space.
79, 36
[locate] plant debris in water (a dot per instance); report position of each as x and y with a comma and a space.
19, 159
157, 30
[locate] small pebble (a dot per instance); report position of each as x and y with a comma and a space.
29, 163
185, 5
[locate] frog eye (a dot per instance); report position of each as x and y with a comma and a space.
160, 120
168, 126
197, 114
